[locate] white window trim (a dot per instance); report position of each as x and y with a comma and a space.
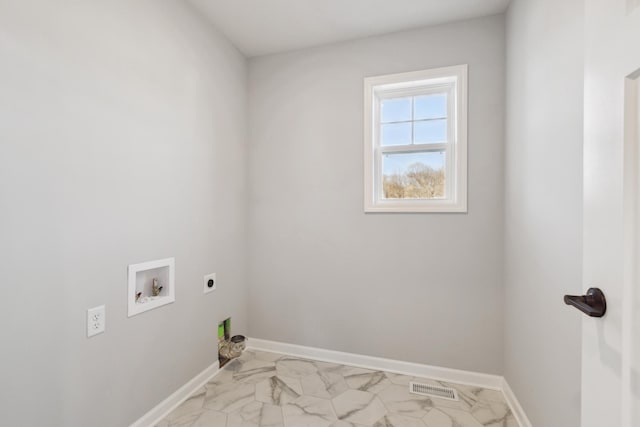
456, 179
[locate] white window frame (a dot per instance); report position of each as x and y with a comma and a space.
452, 80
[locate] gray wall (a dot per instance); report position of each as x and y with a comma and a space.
544, 207
417, 287
122, 140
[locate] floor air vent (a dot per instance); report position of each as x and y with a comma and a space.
433, 391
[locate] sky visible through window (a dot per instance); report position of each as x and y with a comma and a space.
430, 116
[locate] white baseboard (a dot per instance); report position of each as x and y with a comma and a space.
515, 406
156, 414
407, 368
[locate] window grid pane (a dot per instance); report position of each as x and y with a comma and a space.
428, 128
430, 107
395, 110
396, 134
430, 131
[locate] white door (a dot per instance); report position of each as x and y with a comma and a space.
610, 350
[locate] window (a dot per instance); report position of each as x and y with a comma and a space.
416, 141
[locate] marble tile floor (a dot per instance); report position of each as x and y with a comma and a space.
262, 389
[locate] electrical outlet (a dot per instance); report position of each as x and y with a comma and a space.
210, 283
95, 321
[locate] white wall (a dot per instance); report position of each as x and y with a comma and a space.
543, 205
122, 139
417, 287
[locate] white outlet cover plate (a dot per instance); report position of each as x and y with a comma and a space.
211, 276
96, 320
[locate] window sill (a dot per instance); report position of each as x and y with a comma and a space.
418, 207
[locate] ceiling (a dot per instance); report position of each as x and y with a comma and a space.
259, 27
